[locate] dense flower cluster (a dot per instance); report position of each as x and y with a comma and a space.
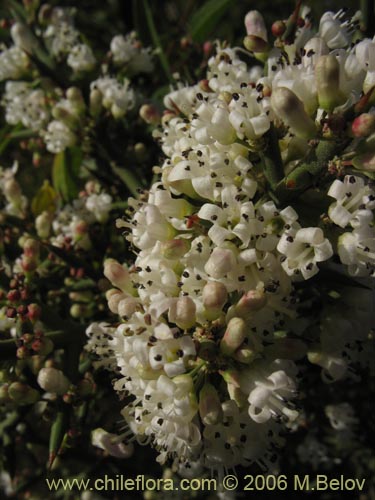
214, 317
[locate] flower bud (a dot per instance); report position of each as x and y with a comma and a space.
254, 44
34, 312
231, 376
214, 296
126, 307
114, 296
111, 444
278, 28
255, 26
364, 125
174, 249
290, 109
23, 394
4, 394
22, 37
182, 312
85, 387
43, 225
252, 301
220, 262
12, 190
53, 380
327, 73
96, 102
150, 114
210, 409
31, 248
234, 336
117, 274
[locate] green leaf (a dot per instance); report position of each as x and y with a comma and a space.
207, 17
44, 200
65, 172
128, 178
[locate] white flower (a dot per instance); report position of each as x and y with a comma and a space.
118, 97
13, 63
25, 105
303, 249
53, 380
58, 137
112, 444
357, 250
128, 51
81, 58
100, 205
334, 32
354, 198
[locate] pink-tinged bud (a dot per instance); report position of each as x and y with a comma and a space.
13, 296
53, 380
220, 262
208, 48
23, 394
111, 443
255, 26
327, 73
214, 297
117, 275
43, 225
250, 302
31, 248
364, 125
210, 409
127, 307
28, 264
205, 85
174, 249
34, 312
182, 312
291, 111
278, 28
43, 347
4, 394
114, 297
234, 336
150, 114
254, 44
23, 352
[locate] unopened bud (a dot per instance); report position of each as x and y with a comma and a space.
220, 262
4, 394
12, 190
150, 114
254, 44
182, 312
214, 297
364, 125
255, 25
210, 409
85, 387
278, 28
234, 336
327, 73
245, 355
117, 274
96, 102
114, 296
23, 394
126, 307
43, 225
34, 312
22, 37
315, 48
174, 249
31, 248
53, 380
250, 302
231, 376
205, 85
290, 109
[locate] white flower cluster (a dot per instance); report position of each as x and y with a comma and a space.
72, 223
62, 116
204, 346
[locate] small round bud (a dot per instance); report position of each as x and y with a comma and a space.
210, 409
327, 73
278, 28
117, 274
214, 297
150, 114
53, 380
234, 336
182, 313
23, 394
364, 125
220, 262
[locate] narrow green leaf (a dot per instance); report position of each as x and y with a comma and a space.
128, 178
207, 17
156, 40
65, 171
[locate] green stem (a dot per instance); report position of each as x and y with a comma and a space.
368, 16
304, 174
272, 162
